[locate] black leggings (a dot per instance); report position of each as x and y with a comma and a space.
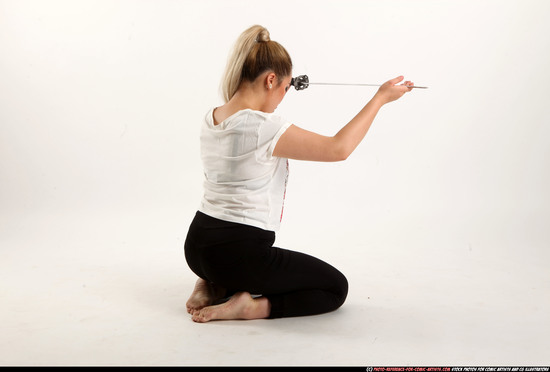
241, 258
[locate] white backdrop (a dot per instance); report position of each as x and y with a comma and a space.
101, 102
100, 175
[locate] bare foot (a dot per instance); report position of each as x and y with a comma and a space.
204, 294
239, 306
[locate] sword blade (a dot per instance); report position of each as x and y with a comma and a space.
362, 85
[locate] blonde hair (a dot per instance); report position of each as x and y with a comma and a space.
253, 54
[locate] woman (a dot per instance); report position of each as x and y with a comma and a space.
244, 150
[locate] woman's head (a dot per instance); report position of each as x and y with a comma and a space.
254, 54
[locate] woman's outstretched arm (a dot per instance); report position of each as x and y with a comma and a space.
300, 144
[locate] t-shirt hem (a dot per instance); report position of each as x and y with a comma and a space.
241, 220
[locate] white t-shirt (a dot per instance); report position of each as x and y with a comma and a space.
244, 182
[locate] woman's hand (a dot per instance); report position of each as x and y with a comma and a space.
390, 91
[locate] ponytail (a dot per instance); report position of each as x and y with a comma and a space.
253, 54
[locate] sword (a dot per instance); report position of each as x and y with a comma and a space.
302, 82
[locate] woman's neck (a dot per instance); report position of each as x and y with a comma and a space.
249, 96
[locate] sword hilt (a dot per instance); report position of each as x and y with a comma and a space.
300, 82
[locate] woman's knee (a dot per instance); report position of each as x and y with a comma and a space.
342, 290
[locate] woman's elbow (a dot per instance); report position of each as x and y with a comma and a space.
341, 152
342, 156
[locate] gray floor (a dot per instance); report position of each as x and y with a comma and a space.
111, 290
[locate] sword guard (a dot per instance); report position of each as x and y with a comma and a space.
300, 82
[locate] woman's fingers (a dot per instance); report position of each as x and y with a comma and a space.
396, 80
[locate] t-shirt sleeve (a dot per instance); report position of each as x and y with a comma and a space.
269, 133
